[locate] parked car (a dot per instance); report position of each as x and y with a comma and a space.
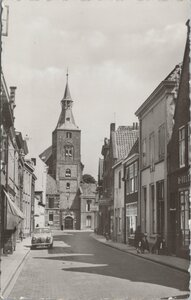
42, 236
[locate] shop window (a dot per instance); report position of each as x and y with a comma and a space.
160, 206
182, 147
152, 193
184, 218
145, 207
68, 173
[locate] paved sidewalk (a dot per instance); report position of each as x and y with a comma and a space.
11, 263
171, 261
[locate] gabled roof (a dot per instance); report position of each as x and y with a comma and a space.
123, 140
46, 154
135, 148
169, 84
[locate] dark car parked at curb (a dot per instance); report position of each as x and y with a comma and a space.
42, 237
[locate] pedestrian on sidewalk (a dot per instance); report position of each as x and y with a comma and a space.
21, 235
139, 239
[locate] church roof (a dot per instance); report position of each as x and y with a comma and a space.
67, 95
46, 154
66, 120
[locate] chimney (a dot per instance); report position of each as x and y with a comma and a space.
112, 127
12, 97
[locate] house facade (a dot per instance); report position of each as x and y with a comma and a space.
64, 173
89, 206
179, 150
131, 184
157, 110
14, 149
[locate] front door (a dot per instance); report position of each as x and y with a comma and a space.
68, 223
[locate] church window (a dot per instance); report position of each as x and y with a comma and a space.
68, 185
69, 135
69, 152
68, 173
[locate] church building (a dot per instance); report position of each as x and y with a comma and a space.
64, 170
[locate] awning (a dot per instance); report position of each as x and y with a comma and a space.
14, 214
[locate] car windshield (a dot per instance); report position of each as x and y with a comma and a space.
42, 230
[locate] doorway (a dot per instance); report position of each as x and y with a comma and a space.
68, 223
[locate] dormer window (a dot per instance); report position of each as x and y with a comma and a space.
68, 173
69, 135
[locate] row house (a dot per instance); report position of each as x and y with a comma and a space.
13, 151
111, 200
88, 206
158, 110
178, 159
131, 184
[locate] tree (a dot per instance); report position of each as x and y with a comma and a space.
87, 178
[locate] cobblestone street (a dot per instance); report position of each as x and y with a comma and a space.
79, 267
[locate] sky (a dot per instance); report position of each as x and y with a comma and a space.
117, 52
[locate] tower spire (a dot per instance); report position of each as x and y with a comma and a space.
67, 76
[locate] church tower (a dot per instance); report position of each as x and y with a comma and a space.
65, 169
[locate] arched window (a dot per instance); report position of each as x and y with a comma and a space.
68, 152
68, 173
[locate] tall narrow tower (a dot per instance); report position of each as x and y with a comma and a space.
65, 169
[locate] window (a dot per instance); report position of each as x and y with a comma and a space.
132, 178
144, 158
145, 207
68, 173
68, 185
88, 205
88, 221
68, 119
160, 206
119, 179
131, 214
68, 152
184, 217
152, 191
69, 135
182, 147
51, 217
161, 141
51, 202
152, 150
